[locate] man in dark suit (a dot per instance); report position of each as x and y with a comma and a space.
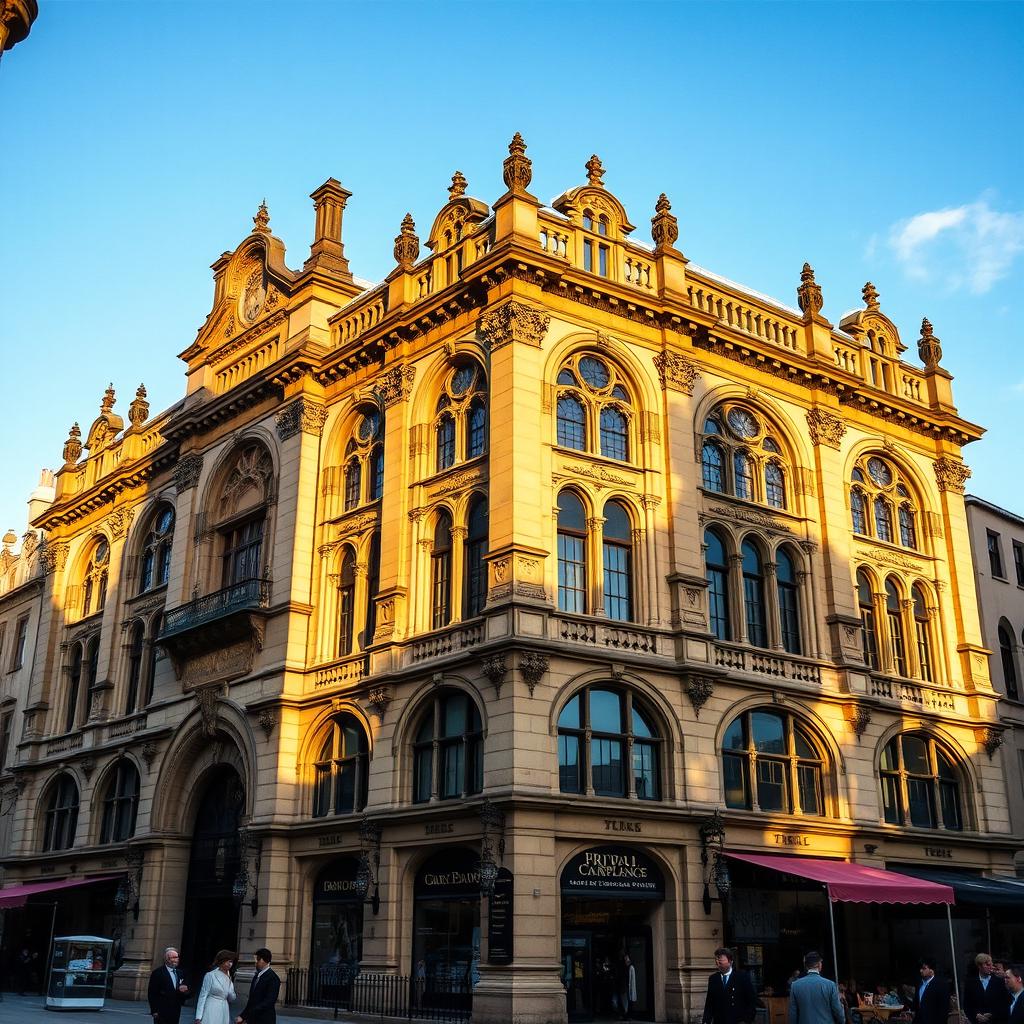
1015, 986
167, 990
930, 1004
263, 992
986, 999
731, 996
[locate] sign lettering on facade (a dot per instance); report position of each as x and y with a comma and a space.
618, 825
790, 839
439, 828
500, 918
613, 871
942, 852
335, 839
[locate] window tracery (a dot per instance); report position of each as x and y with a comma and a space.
341, 771
448, 749
156, 551
742, 455
94, 585
897, 630
364, 461
882, 505
594, 411
460, 421
921, 784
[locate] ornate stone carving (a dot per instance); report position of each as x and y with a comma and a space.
119, 521
929, 348
699, 689
676, 372
744, 515
138, 411
859, 717
267, 719
532, 666
394, 386
73, 446
207, 699
301, 415
664, 226
378, 700
599, 474
53, 557
870, 295
991, 739
514, 321
826, 428
407, 244
595, 171
808, 295
261, 222
149, 752
457, 189
88, 766
186, 472
517, 170
494, 668
951, 474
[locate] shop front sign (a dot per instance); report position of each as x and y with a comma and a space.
499, 927
451, 874
337, 882
940, 852
790, 839
618, 872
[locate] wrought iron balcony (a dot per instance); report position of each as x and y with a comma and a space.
216, 619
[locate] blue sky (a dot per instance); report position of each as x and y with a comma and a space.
878, 141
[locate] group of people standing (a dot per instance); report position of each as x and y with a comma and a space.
169, 990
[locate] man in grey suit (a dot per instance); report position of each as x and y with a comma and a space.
814, 999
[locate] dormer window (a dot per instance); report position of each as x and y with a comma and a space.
595, 253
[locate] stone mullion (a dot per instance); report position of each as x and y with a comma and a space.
326, 649
457, 562
360, 604
773, 612
424, 616
810, 642
651, 572
737, 603
594, 547
883, 640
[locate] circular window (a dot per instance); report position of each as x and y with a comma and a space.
163, 523
594, 372
102, 552
879, 472
462, 380
368, 426
743, 423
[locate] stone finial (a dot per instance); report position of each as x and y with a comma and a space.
73, 446
107, 404
929, 348
518, 167
138, 411
809, 293
10, 539
407, 244
261, 221
870, 295
664, 226
457, 188
595, 171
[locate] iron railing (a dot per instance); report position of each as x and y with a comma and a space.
378, 995
238, 597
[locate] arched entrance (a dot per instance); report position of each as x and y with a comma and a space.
609, 894
211, 915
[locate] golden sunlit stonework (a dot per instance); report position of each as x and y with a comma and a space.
532, 556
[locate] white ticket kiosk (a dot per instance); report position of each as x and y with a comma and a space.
78, 973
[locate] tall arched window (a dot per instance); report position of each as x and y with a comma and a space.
372, 589
717, 569
608, 745
376, 488
60, 817
789, 602
156, 551
448, 749
753, 596
474, 567
922, 635
346, 603
713, 467
353, 483
74, 687
572, 557
894, 618
241, 511
741, 454
477, 437
908, 527
364, 460
341, 772
445, 432
882, 486
460, 428
866, 606
94, 587
614, 434
441, 571
770, 762
120, 803
743, 475
149, 677
1008, 663
572, 423
774, 485
920, 784
593, 407
618, 568
883, 519
858, 511
136, 655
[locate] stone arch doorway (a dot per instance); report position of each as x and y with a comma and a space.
211, 914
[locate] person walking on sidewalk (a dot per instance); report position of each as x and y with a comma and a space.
814, 999
731, 998
167, 990
263, 993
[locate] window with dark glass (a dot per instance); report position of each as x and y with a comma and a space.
922, 635
866, 605
894, 617
6, 725
717, 569
20, 642
136, 655
94, 590
74, 687
908, 527
789, 602
441, 572
243, 544
572, 423
881, 502
364, 461
775, 485
448, 749
614, 434
353, 483
60, 817
376, 472
743, 472
120, 803
593, 408
995, 554
858, 511
741, 456
346, 603
477, 441
712, 467
770, 762
920, 784
1018, 562
572, 559
156, 551
753, 596
149, 678
608, 745
618, 570
883, 520
372, 589
460, 429
341, 772
445, 442
474, 566
1008, 662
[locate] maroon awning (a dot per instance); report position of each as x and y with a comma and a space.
854, 883
16, 895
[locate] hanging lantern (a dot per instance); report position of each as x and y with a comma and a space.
488, 876
723, 883
362, 880
121, 897
240, 887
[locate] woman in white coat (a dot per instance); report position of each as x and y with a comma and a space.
217, 991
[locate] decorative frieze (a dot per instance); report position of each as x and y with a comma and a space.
302, 415
514, 321
826, 428
186, 472
676, 372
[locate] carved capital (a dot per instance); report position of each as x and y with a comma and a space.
379, 698
699, 689
119, 521
951, 474
267, 719
532, 666
859, 717
494, 668
186, 472
676, 372
394, 386
514, 321
303, 416
825, 428
53, 557
991, 739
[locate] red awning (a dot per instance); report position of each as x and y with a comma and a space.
16, 895
854, 883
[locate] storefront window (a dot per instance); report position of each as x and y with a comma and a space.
920, 784
337, 930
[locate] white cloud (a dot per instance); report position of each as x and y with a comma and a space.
972, 245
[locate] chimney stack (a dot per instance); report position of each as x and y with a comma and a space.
327, 252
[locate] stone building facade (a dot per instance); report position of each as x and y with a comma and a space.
507, 572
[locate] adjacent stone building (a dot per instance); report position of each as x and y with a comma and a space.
507, 573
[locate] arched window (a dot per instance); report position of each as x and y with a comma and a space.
120, 803
623, 755
789, 602
60, 818
572, 556
591, 391
376, 488
717, 569
341, 772
448, 749
241, 510
149, 678
460, 429
445, 442
922, 635
880, 485
74, 687
866, 605
920, 784
156, 551
753, 596
441, 571
353, 483
618, 568
894, 618
372, 589
477, 439
346, 603
78, 705
1008, 662
770, 762
94, 587
474, 567
741, 455
136, 656
364, 460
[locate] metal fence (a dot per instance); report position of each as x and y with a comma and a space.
378, 995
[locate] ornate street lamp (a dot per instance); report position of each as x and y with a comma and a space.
491, 843
712, 842
369, 863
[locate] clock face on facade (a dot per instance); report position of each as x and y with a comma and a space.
743, 423
254, 296
879, 472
